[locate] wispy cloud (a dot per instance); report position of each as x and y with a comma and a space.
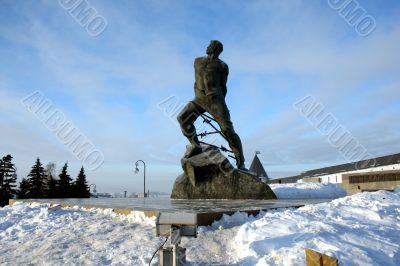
277, 52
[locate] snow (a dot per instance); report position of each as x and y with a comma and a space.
36, 235
360, 230
363, 229
307, 190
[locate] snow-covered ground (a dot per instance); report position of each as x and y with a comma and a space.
307, 191
363, 229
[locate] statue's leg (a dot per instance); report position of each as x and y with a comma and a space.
221, 114
186, 119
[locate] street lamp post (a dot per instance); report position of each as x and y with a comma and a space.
144, 174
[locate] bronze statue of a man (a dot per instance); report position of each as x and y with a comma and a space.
211, 75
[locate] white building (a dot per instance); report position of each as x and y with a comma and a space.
333, 174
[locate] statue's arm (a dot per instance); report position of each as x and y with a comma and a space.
196, 62
225, 79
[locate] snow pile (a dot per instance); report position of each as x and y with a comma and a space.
307, 191
37, 235
363, 229
134, 217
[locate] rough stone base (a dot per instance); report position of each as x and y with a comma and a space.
210, 175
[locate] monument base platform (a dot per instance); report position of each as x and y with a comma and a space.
206, 211
210, 175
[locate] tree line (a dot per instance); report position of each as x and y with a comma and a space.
41, 182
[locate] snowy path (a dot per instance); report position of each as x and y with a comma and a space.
363, 229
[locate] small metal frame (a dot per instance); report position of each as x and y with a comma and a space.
175, 226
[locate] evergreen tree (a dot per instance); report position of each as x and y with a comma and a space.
23, 192
8, 177
37, 181
53, 191
52, 184
81, 189
64, 183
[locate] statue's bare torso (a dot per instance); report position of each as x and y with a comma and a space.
211, 75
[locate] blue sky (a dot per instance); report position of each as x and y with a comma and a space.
110, 86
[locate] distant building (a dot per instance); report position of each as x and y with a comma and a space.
366, 175
103, 195
144, 195
257, 168
285, 180
334, 174
371, 181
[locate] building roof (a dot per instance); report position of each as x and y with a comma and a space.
364, 164
289, 179
257, 167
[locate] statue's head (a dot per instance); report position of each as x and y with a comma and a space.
215, 48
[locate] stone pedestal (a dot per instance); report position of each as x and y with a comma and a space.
210, 175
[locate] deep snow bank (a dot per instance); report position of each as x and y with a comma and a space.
307, 190
363, 229
37, 235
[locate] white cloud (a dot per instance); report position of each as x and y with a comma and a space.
277, 53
